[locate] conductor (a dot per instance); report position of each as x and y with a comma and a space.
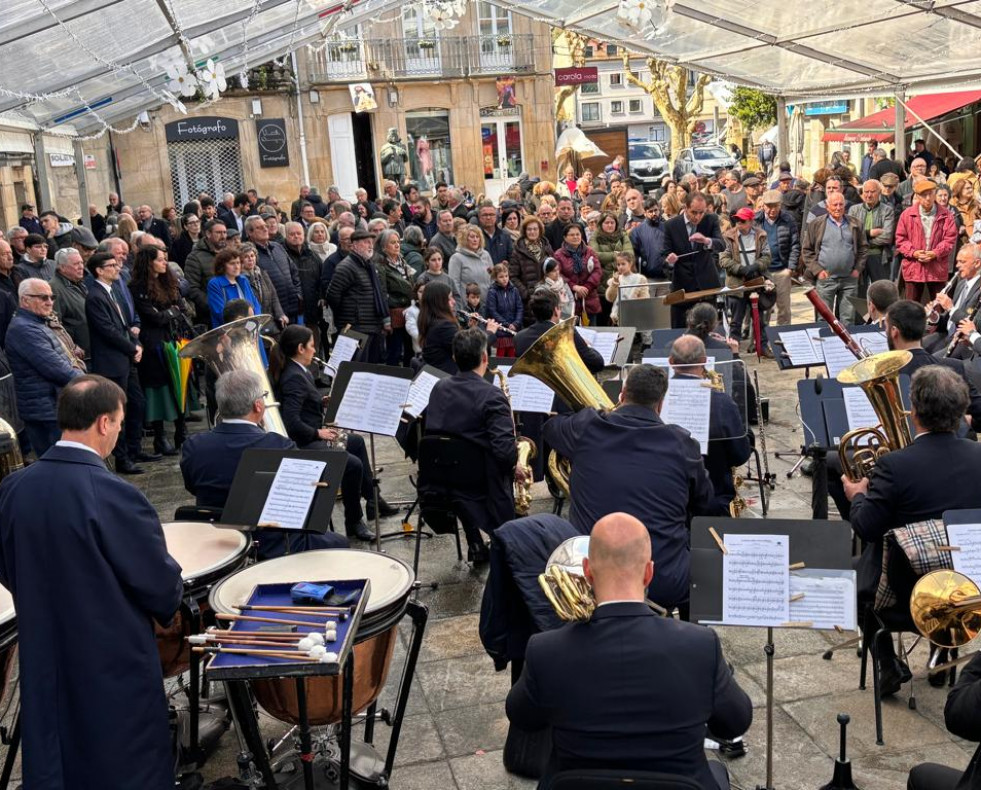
592, 682
89, 572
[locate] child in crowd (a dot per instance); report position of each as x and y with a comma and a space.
472, 303
504, 306
412, 312
434, 273
634, 286
553, 280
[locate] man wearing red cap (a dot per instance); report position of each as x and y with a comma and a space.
746, 256
925, 236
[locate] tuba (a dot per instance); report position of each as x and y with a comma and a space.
10, 456
526, 452
235, 346
946, 608
878, 376
554, 361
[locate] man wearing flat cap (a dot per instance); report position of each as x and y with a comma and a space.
925, 237
753, 187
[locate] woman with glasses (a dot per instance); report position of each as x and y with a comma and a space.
181, 247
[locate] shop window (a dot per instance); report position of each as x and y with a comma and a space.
430, 157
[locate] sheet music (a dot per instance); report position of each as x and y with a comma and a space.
829, 598
589, 335
343, 351
837, 356
802, 347
858, 409
756, 580
968, 559
291, 493
419, 392
688, 404
604, 343
373, 403
527, 393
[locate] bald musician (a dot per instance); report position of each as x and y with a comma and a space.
592, 682
630, 460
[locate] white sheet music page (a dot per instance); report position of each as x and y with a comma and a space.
688, 403
801, 346
756, 580
968, 559
527, 393
291, 493
373, 403
829, 598
606, 345
343, 351
419, 392
837, 357
858, 409
589, 335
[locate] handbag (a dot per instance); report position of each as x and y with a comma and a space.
767, 296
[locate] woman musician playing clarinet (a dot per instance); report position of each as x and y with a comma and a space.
301, 405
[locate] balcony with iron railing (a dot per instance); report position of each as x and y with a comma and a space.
353, 59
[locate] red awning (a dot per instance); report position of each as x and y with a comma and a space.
880, 126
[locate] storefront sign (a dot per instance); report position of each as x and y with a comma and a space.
826, 108
61, 160
499, 112
576, 76
202, 129
271, 136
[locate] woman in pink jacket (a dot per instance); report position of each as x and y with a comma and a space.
924, 265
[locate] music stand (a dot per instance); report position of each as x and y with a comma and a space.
254, 477
380, 415
644, 314
782, 357
625, 339
817, 544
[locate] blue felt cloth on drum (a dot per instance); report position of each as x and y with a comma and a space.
83, 554
305, 593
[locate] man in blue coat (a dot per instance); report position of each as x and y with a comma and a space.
629, 460
209, 460
273, 260
39, 362
83, 554
627, 690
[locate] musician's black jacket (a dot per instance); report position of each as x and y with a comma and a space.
962, 715
954, 318
300, 403
699, 271
467, 407
524, 340
631, 691
922, 358
629, 460
937, 472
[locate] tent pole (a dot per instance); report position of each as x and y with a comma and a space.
900, 130
931, 130
783, 134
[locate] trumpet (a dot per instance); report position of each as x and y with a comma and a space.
933, 314
481, 320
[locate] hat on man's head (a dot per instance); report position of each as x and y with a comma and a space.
745, 214
889, 179
785, 176
83, 237
358, 235
772, 198
750, 181
924, 185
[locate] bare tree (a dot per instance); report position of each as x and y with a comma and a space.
668, 87
569, 49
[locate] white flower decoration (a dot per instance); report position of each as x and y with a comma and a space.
182, 82
635, 14
212, 79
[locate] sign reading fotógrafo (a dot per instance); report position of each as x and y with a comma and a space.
203, 128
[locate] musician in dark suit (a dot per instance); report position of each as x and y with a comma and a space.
692, 240
962, 715
629, 460
301, 405
467, 407
627, 690
937, 472
882, 295
544, 307
729, 444
209, 460
115, 351
961, 304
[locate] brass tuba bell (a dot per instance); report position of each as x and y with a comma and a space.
563, 582
554, 361
878, 376
946, 608
235, 346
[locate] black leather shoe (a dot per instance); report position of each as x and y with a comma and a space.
478, 553
127, 467
385, 510
164, 446
360, 531
148, 457
891, 678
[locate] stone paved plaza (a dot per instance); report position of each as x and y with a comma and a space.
456, 725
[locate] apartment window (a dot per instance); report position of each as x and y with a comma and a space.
590, 88
616, 80
635, 105
590, 111
658, 132
587, 51
616, 107
611, 50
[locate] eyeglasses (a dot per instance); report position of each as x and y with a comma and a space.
110, 266
45, 297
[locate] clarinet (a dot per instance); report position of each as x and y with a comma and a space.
933, 314
958, 335
767, 479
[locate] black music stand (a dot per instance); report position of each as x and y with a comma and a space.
818, 544
781, 356
254, 477
339, 389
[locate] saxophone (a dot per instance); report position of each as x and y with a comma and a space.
738, 504
526, 452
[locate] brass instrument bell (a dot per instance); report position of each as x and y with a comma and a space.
946, 608
563, 581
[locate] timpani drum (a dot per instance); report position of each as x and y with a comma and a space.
391, 584
8, 642
206, 554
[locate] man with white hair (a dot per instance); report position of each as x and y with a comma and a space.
69, 292
16, 236
9, 276
41, 364
153, 225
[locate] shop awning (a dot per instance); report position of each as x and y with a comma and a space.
880, 126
